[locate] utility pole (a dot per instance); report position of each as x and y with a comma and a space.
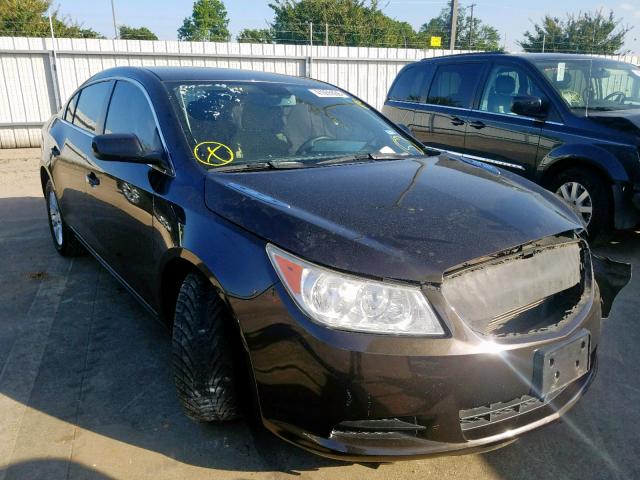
311, 34
113, 14
454, 24
326, 34
544, 41
471, 27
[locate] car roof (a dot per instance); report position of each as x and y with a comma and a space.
171, 74
524, 56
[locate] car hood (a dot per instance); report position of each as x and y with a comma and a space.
409, 219
624, 120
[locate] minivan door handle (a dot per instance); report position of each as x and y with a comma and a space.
457, 121
477, 124
92, 179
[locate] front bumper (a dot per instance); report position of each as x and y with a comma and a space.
315, 383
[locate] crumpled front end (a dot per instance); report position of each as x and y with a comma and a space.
366, 396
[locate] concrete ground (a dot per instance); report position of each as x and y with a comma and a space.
86, 389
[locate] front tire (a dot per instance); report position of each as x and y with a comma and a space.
64, 240
203, 353
589, 195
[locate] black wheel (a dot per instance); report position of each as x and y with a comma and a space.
203, 353
63, 237
588, 193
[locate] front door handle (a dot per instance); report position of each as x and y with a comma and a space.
92, 179
477, 124
457, 121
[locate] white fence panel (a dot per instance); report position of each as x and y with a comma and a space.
30, 88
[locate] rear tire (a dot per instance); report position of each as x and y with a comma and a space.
64, 240
203, 353
597, 189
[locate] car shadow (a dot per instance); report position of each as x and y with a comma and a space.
106, 363
105, 372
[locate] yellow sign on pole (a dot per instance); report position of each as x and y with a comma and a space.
436, 41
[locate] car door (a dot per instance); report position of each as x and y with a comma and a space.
73, 135
441, 121
495, 134
123, 196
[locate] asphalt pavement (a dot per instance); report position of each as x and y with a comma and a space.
86, 389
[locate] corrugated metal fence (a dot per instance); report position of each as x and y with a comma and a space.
32, 88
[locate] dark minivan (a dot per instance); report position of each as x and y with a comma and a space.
568, 122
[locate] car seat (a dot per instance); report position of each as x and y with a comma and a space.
501, 97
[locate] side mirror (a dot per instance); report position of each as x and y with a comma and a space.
124, 147
528, 106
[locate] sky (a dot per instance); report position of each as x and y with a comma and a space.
511, 18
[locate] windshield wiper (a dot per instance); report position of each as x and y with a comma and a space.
358, 157
268, 165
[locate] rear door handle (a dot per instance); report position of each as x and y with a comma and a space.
92, 179
457, 121
477, 124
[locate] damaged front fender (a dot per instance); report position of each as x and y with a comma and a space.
611, 277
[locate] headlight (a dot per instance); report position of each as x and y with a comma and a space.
347, 302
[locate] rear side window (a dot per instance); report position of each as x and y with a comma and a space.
130, 112
407, 86
71, 108
453, 85
90, 105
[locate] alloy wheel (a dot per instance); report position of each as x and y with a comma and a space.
56, 219
578, 197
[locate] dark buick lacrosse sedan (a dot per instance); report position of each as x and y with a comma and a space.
366, 298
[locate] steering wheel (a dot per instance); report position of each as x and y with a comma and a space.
620, 96
309, 144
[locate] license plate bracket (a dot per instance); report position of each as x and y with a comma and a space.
556, 366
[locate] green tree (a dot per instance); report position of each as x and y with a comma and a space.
471, 33
133, 33
349, 22
588, 32
208, 22
256, 35
29, 18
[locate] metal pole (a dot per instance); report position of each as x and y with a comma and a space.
326, 34
544, 41
471, 26
311, 34
113, 14
54, 67
454, 24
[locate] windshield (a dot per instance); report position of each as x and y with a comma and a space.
593, 84
241, 123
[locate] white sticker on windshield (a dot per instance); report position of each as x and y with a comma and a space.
328, 93
390, 132
560, 74
386, 149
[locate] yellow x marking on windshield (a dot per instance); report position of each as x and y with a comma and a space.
213, 154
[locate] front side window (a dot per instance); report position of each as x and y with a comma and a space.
90, 105
593, 84
504, 83
130, 112
407, 87
71, 108
454, 85
250, 122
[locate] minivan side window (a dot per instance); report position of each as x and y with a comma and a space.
503, 83
454, 84
71, 108
90, 105
407, 87
130, 112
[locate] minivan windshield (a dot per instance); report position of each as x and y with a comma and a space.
247, 123
593, 84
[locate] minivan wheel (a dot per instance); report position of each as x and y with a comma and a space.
63, 237
588, 194
203, 353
